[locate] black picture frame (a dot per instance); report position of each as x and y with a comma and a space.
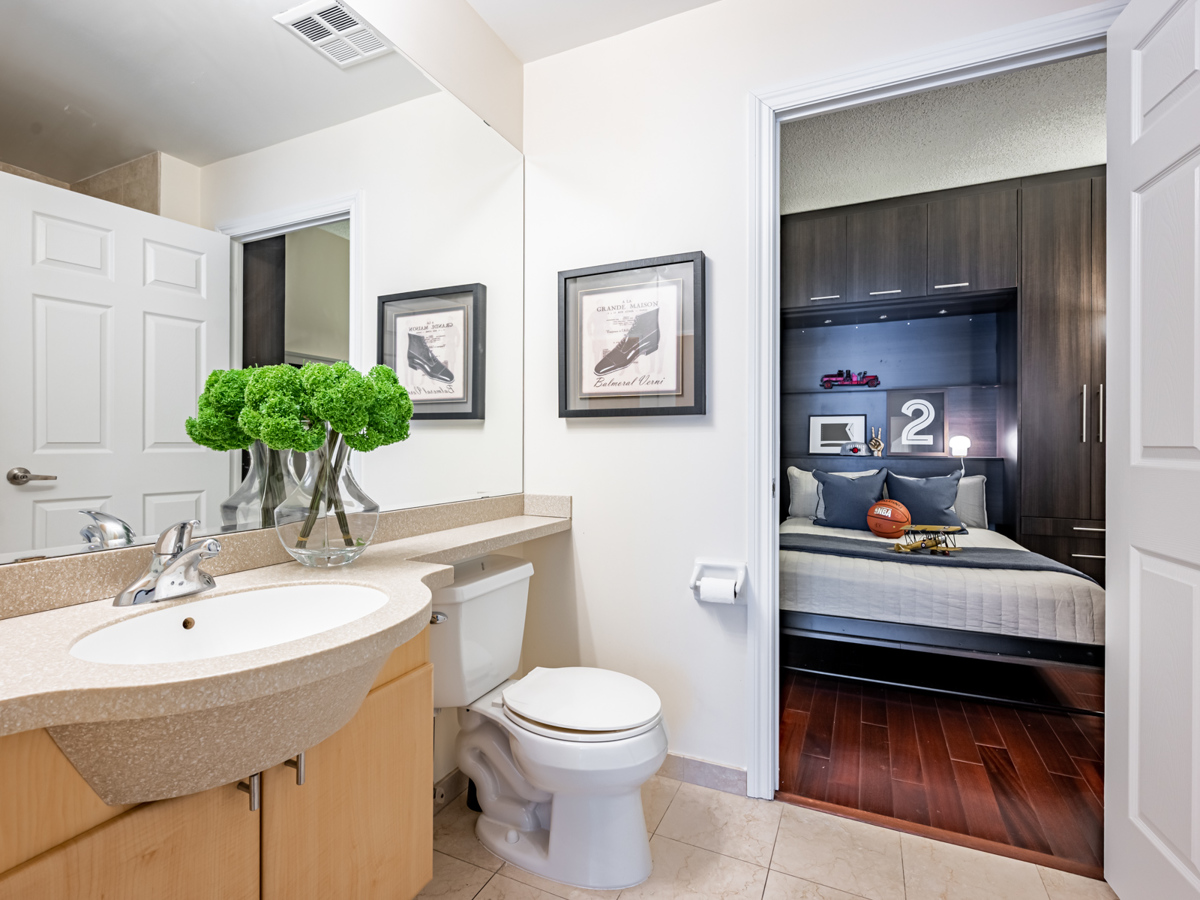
939, 431
688, 394
472, 299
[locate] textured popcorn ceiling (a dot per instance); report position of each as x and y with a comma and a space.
1020, 123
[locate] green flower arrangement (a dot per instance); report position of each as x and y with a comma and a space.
302, 409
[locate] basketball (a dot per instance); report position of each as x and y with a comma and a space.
888, 518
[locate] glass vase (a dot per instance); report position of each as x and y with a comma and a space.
266, 485
327, 519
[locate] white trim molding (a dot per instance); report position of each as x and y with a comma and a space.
1062, 36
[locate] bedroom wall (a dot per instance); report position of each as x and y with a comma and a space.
1045, 119
636, 146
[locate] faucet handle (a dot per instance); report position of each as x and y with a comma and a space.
175, 538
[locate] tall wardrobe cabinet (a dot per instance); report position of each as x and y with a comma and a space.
1062, 371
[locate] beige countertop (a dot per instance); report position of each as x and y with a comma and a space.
43, 685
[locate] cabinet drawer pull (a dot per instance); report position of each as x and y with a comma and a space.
827, 297
938, 287
1083, 429
1084, 528
894, 291
1086, 556
297, 763
253, 787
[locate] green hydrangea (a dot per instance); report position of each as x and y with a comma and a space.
288, 408
388, 414
218, 410
278, 410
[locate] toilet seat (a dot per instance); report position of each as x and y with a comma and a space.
582, 704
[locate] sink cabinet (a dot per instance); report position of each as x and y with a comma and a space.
360, 827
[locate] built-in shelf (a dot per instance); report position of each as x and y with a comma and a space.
955, 459
885, 388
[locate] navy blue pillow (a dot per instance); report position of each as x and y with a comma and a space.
930, 501
847, 500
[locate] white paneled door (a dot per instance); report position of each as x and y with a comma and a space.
112, 319
1152, 793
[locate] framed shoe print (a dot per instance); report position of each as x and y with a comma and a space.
435, 340
631, 338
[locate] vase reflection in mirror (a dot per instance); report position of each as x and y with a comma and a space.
268, 483
327, 519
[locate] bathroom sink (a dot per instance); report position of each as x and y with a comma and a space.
230, 623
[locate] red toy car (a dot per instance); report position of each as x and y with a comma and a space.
849, 379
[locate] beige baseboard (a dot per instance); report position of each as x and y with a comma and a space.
446, 790
707, 774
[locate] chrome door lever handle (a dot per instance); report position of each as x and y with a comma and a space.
21, 475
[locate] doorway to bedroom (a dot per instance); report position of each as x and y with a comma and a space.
942, 366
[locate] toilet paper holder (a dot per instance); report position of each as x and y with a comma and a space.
732, 570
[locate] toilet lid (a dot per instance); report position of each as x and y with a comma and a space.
583, 699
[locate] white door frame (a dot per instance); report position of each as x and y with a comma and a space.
281, 221
1062, 36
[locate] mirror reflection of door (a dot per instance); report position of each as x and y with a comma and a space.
296, 298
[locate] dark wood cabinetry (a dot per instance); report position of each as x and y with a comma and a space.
1062, 370
814, 254
886, 252
973, 243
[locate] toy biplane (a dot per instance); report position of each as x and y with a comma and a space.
939, 540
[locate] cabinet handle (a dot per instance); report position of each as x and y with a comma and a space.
827, 297
1100, 416
1086, 556
297, 763
893, 291
254, 789
938, 287
1083, 429
1084, 528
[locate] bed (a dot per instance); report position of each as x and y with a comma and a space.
1054, 616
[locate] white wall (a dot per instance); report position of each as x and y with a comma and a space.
1044, 119
316, 293
636, 146
442, 206
178, 190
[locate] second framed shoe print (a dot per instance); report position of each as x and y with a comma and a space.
631, 338
435, 341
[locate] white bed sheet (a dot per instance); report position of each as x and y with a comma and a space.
1050, 605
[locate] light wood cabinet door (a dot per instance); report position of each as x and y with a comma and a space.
361, 826
200, 847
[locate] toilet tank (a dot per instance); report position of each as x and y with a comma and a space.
478, 645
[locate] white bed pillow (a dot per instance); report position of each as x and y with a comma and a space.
971, 504
806, 503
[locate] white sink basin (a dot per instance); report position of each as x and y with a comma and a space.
231, 623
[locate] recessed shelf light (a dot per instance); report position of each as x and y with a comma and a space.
941, 312
883, 317
827, 321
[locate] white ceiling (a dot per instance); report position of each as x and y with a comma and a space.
536, 28
85, 85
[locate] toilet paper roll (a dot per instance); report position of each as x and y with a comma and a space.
717, 590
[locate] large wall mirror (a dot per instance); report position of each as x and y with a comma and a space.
182, 191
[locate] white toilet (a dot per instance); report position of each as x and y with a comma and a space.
558, 757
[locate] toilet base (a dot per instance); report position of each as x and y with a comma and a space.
608, 856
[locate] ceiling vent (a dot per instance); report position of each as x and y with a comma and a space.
334, 31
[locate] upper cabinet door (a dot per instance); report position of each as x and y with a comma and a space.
887, 251
973, 243
813, 269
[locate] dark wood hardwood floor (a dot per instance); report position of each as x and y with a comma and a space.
1021, 783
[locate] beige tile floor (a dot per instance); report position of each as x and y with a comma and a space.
708, 844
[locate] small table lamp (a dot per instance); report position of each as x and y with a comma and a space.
959, 445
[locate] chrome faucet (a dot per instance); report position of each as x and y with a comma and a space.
174, 568
105, 531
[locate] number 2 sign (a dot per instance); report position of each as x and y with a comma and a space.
916, 423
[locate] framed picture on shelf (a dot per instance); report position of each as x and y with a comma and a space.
631, 338
916, 423
435, 342
826, 434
